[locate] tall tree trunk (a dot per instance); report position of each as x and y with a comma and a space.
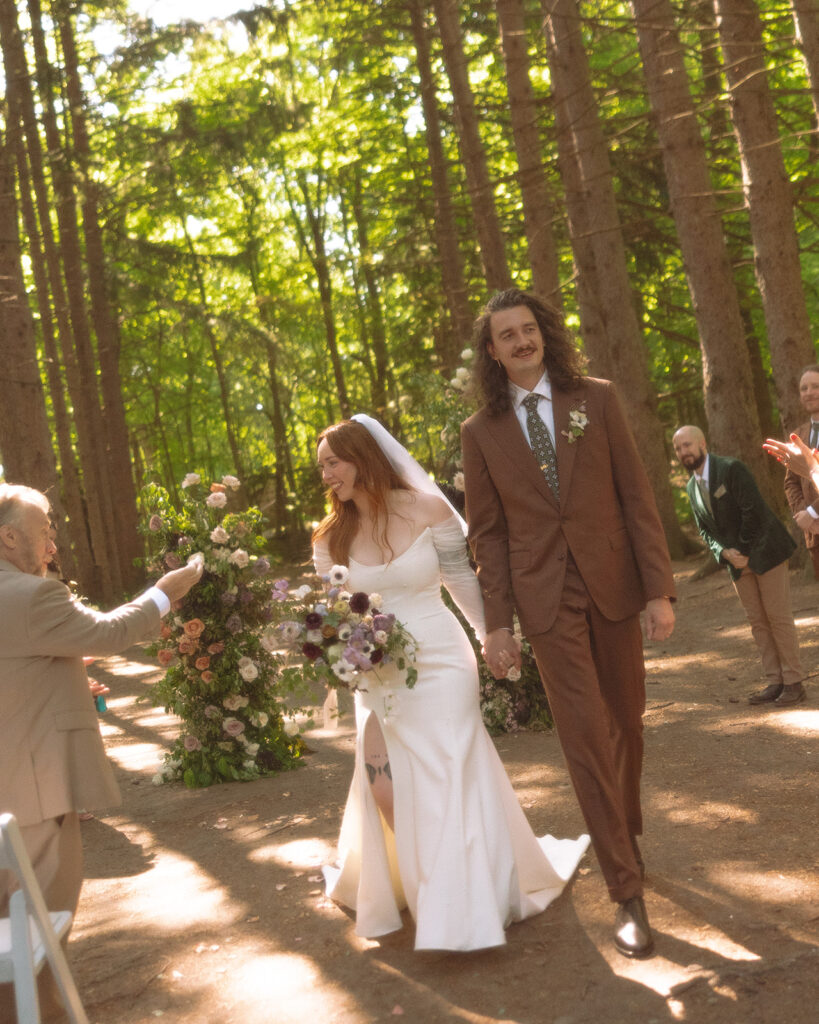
377, 329
600, 226
733, 420
490, 237
316, 249
215, 350
25, 441
445, 225
769, 201
80, 377
128, 541
74, 545
538, 211
806, 21
94, 446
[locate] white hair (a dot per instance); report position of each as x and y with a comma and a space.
13, 501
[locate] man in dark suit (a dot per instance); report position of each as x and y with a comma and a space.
745, 536
801, 492
565, 533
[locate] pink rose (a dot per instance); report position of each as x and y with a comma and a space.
194, 628
172, 561
192, 743
202, 663
188, 646
233, 727
216, 648
155, 524
207, 677
165, 658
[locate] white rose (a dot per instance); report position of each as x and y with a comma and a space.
462, 374
216, 500
248, 670
291, 727
219, 535
376, 600
231, 482
191, 479
159, 778
301, 592
467, 354
239, 558
458, 482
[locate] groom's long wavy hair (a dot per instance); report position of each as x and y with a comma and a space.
562, 360
375, 475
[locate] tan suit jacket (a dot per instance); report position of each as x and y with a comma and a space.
800, 492
52, 759
607, 517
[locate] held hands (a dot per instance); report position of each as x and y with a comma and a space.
659, 619
177, 583
501, 652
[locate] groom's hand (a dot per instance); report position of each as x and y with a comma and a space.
659, 619
501, 652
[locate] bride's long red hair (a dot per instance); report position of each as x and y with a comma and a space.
375, 475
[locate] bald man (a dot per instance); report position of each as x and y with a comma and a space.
744, 534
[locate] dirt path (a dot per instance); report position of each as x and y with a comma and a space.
207, 905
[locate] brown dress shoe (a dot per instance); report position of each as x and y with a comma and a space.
793, 694
632, 934
771, 692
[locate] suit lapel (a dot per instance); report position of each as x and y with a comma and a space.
562, 403
507, 432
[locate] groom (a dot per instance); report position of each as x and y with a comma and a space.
565, 532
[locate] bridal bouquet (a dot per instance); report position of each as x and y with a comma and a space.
343, 638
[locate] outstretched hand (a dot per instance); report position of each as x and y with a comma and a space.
795, 455
659, 619
177, 583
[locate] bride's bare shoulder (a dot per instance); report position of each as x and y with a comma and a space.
422, 509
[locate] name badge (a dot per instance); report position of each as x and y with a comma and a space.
720, 492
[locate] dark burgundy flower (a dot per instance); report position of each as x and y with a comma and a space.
359, 603
376, 656
311, 651
313, 620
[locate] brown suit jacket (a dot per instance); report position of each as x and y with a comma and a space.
52, 758
607, 517
800, 491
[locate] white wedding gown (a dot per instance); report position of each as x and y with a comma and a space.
463, 857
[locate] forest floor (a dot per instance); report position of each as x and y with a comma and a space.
207, 906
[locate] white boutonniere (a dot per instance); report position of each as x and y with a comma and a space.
578, 421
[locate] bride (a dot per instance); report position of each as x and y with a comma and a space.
431, 822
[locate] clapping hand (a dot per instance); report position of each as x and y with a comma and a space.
797, 456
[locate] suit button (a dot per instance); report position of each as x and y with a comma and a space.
561, 558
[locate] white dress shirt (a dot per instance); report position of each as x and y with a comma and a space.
543, 389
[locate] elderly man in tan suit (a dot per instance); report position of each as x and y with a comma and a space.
52, 760
565, 532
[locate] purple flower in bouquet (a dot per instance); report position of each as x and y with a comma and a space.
245, 596
228, 598
357, 659
359, 603
234, 623
333, 593
282, 585
261, 566
384, 623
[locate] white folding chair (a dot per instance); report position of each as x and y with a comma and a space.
30, 935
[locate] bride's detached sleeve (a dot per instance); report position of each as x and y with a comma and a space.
457, 574
321, 558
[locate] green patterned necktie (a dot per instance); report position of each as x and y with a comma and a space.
706, 497
542, 443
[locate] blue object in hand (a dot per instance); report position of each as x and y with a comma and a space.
100, 702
